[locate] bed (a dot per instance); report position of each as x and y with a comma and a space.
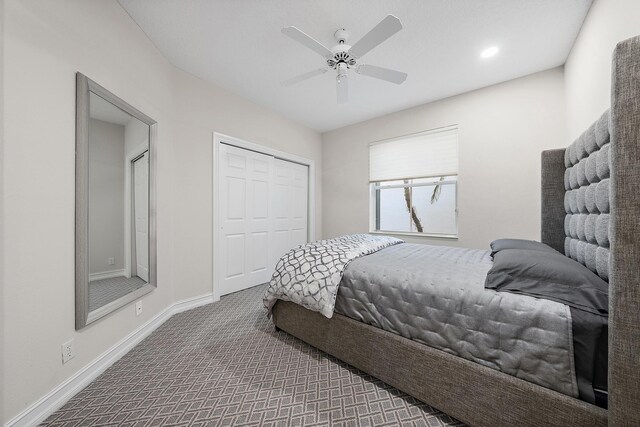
590, 199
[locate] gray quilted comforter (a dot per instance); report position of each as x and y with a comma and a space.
435, 295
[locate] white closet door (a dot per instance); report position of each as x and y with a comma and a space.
141, 215
290, 204
245, 218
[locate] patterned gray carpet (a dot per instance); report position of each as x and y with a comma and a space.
224, 365
102, 292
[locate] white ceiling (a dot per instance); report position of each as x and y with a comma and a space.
237, 44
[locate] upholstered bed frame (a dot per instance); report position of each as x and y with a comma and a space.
592, 216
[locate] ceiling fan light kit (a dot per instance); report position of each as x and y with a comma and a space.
343, 57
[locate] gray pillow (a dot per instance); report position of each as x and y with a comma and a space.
501, 244
548, 275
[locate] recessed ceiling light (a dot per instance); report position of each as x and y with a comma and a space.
489, 52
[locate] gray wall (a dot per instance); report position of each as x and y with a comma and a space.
46, 43
588, 68
502, 130
106, 196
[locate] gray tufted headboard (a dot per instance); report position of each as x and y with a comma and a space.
591, 212
586, 200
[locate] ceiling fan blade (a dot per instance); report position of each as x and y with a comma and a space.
342, 88
303, 77
385, 29
307, 41
392, 76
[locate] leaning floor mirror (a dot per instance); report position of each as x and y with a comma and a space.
115, 202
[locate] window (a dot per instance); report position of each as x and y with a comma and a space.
414, 182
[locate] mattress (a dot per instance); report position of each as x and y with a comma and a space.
435, 295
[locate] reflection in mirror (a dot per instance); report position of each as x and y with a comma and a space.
115, 203
118, 203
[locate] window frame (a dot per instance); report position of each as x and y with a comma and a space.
451, 179
374, 207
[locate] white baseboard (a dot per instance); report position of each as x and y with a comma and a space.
106, 275
56, 398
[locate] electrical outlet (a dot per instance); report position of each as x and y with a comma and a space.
138, 308
111, 261
68, 352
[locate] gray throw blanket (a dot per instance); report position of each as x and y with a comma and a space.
309, 275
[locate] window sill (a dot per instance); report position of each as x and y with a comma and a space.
408, 234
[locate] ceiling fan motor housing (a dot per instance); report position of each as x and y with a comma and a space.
341, 55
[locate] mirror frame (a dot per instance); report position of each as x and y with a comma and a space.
84, 86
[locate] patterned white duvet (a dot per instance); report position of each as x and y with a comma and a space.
309, 275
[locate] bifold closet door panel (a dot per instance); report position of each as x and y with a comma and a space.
141, 215
290, 206
245, 220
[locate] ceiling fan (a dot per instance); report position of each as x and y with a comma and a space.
343, 57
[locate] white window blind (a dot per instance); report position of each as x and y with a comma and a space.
427, 154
